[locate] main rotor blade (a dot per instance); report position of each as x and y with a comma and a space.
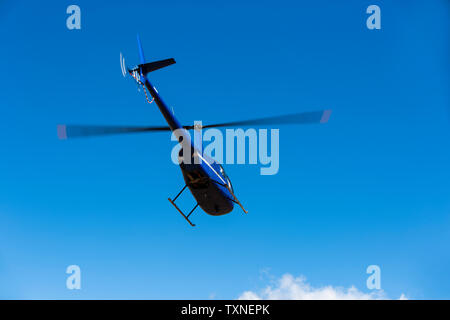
77, 131
295, 118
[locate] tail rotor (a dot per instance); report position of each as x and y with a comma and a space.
122, 65
139, 72
134, 73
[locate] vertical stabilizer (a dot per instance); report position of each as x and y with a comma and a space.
141, 52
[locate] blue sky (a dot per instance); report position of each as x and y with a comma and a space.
370, 187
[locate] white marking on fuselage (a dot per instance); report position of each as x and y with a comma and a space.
209, 165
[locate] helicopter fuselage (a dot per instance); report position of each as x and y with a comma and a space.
205, 178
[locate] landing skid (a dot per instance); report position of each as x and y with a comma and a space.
181, 212
235, 200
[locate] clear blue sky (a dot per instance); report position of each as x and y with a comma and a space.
370, 187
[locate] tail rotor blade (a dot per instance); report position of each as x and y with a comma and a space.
122, 65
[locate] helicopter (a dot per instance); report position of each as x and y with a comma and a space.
203, 176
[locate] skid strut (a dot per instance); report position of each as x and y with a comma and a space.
236, 200
176, 207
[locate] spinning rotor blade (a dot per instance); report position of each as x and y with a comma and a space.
75, 131
296, 118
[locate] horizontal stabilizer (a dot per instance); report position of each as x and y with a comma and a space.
152, 66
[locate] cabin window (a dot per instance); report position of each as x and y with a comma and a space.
222, 172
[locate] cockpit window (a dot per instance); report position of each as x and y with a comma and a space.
222, 172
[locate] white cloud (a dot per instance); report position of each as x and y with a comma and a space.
290, 288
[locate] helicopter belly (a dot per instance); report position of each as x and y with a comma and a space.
212, 198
